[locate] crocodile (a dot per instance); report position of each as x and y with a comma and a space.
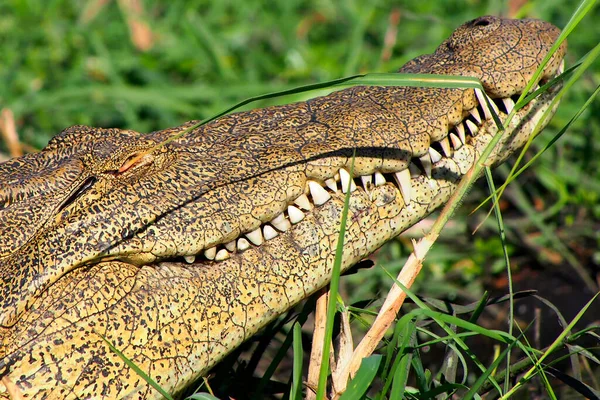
176, 251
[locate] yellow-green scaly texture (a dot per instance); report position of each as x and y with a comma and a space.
83, 240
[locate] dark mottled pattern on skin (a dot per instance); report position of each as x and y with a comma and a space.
90, 245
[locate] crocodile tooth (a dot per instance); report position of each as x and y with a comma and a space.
379, 179
222, 255
331, 184
295, 214
189, 259
346, 180
472, 127
255, 236
435, 155
426, 163
319, 195
242, 244
281, 222
210, 253
445, 143
475, 113
403, 179
460, 129
509, 104
269, 232
455, 141
494, 107
303, 202
230, 246
481, 96
415, 172
366, 180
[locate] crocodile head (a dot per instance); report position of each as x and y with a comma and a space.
178, 252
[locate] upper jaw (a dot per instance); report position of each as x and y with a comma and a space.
468, 132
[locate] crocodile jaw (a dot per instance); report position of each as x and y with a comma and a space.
195, 313
208, 308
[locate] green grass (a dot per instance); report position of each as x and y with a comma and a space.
59, 69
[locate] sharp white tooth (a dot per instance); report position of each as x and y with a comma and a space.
189, 259
222, 255
460, 129
281, 222
331, 184
455, 141
481, 96
414, 170
346, 180
426, 162
319, 195
270, 232
561, 68
366, 180
472, 127
403, 179
509, 104
255, 236
445, 143
230, 245
435, 155
303, 202
494, 107
475, 113
210, 253
379, 179
295, 214
242, 244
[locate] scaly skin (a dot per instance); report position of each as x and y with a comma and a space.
91, 245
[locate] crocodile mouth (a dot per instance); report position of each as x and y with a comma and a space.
474, 131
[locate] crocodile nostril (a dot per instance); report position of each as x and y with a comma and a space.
484, 21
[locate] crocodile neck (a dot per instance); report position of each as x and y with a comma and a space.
178, 253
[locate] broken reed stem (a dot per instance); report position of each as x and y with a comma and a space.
316, 352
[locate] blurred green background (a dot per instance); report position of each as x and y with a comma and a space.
150, 64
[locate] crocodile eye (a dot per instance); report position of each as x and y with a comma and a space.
87, 184
136, 160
